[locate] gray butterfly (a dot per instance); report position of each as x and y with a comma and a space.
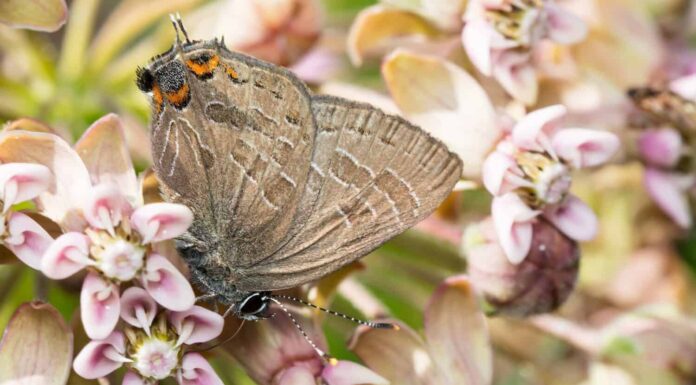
285, 186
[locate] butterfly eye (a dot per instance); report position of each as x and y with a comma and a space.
144, 79
254, 304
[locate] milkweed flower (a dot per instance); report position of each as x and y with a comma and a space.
503, 38
667, 146
529, 174
21, 182
109, 231
154, 345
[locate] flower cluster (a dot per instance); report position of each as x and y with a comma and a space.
154, 345
506, 39
667, 147
529, 176
93, 194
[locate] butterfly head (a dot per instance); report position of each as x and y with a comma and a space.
255, 306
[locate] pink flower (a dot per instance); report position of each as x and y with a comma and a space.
21, 182
539, 284
274, 352
502, 39
456, 349
529, 175
108, 230
153, 346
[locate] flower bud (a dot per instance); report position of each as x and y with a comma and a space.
539, 284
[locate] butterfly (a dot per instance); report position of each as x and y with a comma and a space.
285, 186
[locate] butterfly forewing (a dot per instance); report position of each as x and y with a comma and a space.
374, 175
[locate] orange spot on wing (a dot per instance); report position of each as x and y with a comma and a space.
203, 68
180, 97
231, 72
157, 98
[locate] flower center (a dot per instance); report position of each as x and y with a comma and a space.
550, 178
518, 21
156, 358
154, 353
118, 257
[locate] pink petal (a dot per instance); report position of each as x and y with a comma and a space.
99, 306
476, 37
196, 325
685, 87
669, 192
513, 221
131, 378
535, 130
516, 74
67, 255
497, 170
106, 207
100, 358
350, 373
27, 239
296, 375
661, 147
161, 221
105, 153
20, 182
585, 148
574, 218
563, 26
166, 284
457, 334
71, 182
195, 370
138, 308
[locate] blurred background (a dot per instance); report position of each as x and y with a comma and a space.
641, 266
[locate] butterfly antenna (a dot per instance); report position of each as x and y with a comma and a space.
172, 17
331, 360
374, 325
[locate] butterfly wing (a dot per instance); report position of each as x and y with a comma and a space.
238, 155
372, 176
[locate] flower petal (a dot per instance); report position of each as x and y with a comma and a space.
350, 373
20, 182
448, 103
195, 370
457, 335
516, 74
585, 148
71, 182
131, 378
667, 190
166, 284
99, 358
106, 207
476, 37
535, 130
497, 167
661, 147
196, 325
36, 347
513, 221
574, 218
685, 86
398, 355
161, 221
99, 306
138, 308
563, 26
27, 240
67, 255
376, 26
39, 15
296, 375
104, 151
